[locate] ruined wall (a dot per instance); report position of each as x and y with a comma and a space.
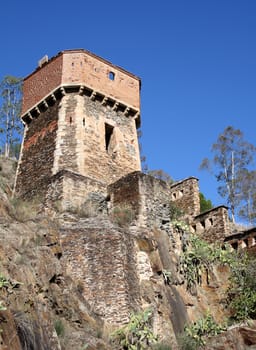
245, 240
71, 190
212, 225
101, 259
94, 140
185, 195
35, 165
148, 197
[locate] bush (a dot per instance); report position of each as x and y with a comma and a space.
241, 295
200, 256
59, 328
137, 334
122, 216
22, 210
195, 334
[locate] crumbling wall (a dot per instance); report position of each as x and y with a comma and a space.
185, 195
102, 260
212, 225
148, 197
71, 191
245, 240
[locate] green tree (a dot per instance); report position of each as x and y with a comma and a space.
247, 209
205, 204
232, 154
10, 124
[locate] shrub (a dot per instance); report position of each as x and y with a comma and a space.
59, 328
195, 334
241, 294
137, 334
200, 256
22, 210
123, 215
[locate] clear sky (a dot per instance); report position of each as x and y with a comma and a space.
196, 60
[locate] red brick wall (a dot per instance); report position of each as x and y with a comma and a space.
79, 67
39, 84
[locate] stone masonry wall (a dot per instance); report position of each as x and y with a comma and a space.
35, 165
185, 195
81, 144
71, 190
148, 197
212, 225
101, 259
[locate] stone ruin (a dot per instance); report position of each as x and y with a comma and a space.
80, 149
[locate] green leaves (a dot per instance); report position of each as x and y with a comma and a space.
199, 257
201, 329
10, 107
137, 334
232, 155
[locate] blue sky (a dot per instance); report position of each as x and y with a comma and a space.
196, 59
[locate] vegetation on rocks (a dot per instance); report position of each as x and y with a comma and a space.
137, 334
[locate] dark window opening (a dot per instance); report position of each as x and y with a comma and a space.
202, 223
111, 75
83, 121
70, 120
108, 134
234, 245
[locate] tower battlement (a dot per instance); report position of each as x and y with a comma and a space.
80, 70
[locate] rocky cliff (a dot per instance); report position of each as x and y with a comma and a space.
63, 286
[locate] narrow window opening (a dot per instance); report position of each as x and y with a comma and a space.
83, 121
108, 134
202, 223
111, 75
70, 120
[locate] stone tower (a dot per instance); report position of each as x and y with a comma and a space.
81, 115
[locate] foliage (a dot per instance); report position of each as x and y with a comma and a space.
10, 125
23, 210
198, 257
175, 212
161, 346
122, 215
167, 275
241, 295
59, 328
161, 175
247, 190
137, 334
195, 334
205, 204
232, 154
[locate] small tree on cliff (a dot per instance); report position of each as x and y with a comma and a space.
232, 155
10, 107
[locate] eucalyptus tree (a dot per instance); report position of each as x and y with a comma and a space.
10, 106
247, 184
232, 156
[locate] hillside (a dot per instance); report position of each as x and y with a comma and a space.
45, 300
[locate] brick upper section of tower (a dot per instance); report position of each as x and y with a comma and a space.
81, 68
